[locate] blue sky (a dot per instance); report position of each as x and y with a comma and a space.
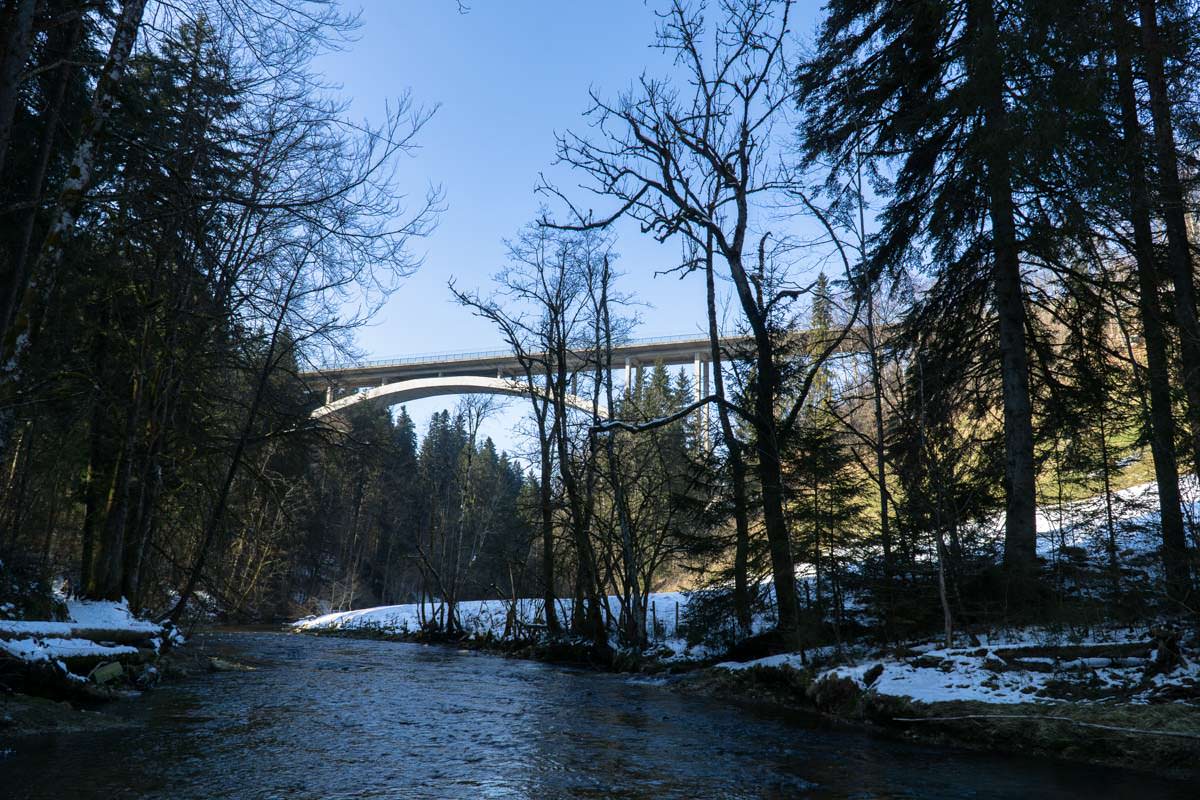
507, 75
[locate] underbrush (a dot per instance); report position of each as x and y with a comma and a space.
26, 592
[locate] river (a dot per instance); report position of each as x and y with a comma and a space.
353, 718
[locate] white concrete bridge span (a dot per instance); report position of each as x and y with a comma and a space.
391, 381
669, 350
397, 380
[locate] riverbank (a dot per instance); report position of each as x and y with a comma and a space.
566, 650
80, 654
1151, 726
60, 673
1163, 740
53, 711
1160, 738
517, 630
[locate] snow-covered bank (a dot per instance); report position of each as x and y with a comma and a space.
1033, 666
478, 617
1055, 664
96, 632
490, 619
85, 615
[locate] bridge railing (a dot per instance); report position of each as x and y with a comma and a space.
474, 355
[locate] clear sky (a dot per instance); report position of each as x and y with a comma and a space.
507, 75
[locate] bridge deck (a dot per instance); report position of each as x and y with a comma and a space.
669, 350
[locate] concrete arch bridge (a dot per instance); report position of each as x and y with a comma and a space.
390, 382
393, 381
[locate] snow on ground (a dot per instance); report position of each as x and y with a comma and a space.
1083, 523
781, 661
958, 677
107, 614
484, 617
479, 618
1017, 667
104, 621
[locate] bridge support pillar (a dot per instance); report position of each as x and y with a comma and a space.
700, 380
628, 377
328, 393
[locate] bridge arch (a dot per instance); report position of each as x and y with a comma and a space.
391, 394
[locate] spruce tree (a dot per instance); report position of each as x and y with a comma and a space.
930, 92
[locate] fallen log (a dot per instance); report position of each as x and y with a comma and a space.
36, 629
77, 655
1076, 651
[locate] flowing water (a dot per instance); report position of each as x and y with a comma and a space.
352, 718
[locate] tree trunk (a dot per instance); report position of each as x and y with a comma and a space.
770, 478
586, 620
546, 502
885, 532
108, 567
986, 71
17, 274
1179, 258
631, 608
1110, 523
16, 20
1162, 423
737, 464
769, 467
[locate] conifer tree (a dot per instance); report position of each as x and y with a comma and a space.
931, 90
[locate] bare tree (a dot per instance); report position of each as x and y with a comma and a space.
322, 217
546, 319
706, 165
